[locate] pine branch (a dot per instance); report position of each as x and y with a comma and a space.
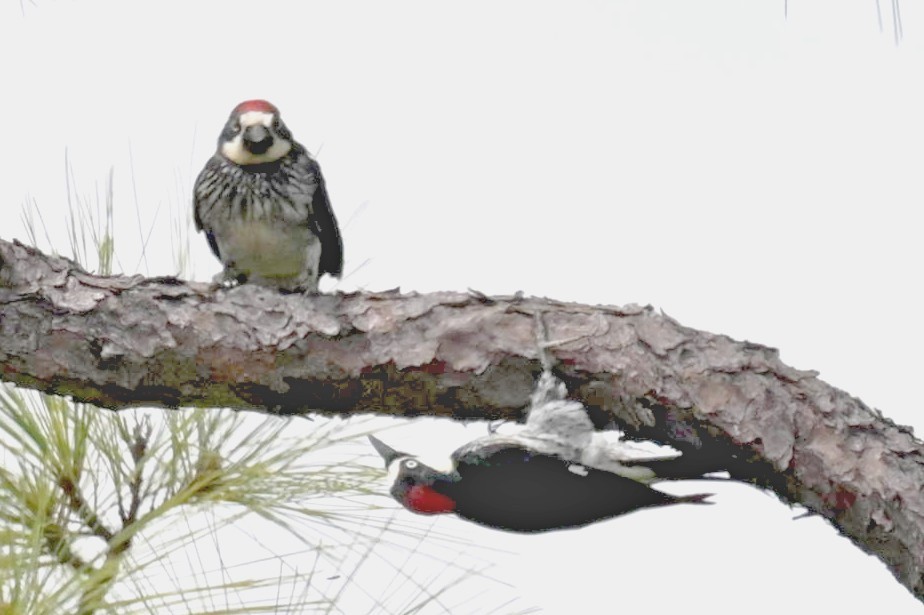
131, 341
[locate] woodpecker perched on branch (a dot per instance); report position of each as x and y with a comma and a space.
262, 202
557, 472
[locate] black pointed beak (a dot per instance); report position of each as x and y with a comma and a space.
388, 453
257, 139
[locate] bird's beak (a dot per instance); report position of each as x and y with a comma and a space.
257, 139
388, 453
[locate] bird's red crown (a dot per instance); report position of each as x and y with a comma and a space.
256, 105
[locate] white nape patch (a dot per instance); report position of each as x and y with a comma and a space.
576, 469
235, 151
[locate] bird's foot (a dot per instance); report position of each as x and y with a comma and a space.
225, 280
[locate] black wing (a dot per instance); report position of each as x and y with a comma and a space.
325, 226
509, 487
203, 177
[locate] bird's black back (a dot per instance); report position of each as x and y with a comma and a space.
515, 489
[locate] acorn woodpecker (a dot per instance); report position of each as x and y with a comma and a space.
262, 202
555, 473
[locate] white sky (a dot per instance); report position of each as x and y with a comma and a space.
749, 175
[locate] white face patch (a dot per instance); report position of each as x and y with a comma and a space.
235, 151
441, 464
256, 118
394, 468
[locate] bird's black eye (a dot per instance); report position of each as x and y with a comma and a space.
410, 464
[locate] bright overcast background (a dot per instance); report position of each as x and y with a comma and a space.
748, 173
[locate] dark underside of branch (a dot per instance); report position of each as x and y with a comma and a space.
131, 341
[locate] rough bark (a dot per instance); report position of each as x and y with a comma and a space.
130, 341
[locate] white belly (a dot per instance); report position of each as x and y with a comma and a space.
270, 252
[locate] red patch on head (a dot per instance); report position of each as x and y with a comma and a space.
425, 500
256, 105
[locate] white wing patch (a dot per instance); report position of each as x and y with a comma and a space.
561, 427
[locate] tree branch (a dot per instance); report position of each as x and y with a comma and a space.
130, 341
